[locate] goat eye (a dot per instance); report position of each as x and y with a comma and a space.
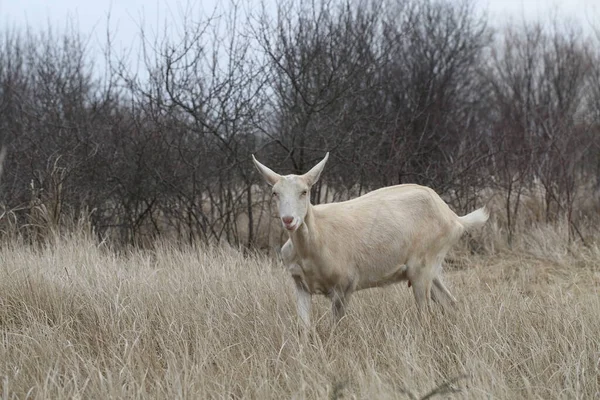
304, 192
274, 194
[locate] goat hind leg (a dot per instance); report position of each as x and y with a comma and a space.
421, 281
439, 289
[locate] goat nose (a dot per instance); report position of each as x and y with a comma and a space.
287, 220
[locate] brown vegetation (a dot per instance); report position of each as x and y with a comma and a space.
81, 321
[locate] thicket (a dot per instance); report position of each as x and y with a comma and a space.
411, 91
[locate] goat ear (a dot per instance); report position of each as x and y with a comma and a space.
313, 175
270, 176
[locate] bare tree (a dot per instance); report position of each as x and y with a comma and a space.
409, 91
538, 81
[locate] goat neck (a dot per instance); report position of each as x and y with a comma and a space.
305, 238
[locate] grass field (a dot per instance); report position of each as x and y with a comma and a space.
78, 320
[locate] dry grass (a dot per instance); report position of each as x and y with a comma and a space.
78, 320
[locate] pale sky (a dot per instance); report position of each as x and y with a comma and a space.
90, 17
126, 14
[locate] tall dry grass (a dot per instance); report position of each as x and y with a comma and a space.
79, 320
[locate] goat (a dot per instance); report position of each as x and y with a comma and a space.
392, 234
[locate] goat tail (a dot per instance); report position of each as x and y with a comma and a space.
475, 219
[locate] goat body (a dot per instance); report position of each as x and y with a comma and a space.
389, 235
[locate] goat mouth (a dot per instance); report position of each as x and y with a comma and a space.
291, 227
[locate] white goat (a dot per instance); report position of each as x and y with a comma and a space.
389, 235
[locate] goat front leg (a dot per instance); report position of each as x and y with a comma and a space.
339, 303
303, 301
303, 296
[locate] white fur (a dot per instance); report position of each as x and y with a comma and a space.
389, 235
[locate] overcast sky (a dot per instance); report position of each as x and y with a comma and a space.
90, 17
